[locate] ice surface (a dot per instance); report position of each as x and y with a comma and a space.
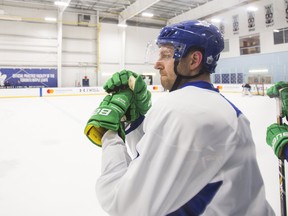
49, 168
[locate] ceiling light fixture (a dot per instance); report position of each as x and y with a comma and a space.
122, 25
12, 18
258, 70
50, 19
61, 3
215, 20
252, 8
145, 14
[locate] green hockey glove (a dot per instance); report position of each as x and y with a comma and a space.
273, 91
280, 90
108, 116
128, 79
132, 113
283, 95
118, 81
277, 138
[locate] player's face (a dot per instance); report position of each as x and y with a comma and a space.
165, 65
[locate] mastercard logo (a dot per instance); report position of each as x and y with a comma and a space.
155, 87
220, 87
50, 91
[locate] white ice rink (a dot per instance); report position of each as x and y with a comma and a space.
49, 168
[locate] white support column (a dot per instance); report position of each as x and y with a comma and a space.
59, 49
61, 10
123, 49
98, 75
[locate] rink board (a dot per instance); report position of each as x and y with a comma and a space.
82, 91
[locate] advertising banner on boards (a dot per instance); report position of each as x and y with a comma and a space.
28, 77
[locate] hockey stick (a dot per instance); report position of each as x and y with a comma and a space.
283, 93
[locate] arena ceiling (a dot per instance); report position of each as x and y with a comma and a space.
130, 11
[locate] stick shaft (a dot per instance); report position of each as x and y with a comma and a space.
282, 187
282, 184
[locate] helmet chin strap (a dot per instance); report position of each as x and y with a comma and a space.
180, 77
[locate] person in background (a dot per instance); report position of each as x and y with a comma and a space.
7, 84
191, 152
246, 89
2, 79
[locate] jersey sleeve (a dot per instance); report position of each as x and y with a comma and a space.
134, 133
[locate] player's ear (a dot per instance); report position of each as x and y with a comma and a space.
195, 59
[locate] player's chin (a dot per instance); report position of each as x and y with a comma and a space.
163, 80
165, 83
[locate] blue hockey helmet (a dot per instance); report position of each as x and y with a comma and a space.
194, 33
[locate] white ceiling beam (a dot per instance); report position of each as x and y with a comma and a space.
211, 7
135, 9
68, 2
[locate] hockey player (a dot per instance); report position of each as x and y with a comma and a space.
246, 89
193, 152
277, 134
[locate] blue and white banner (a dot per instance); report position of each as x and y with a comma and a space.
235, 24
28, 77
269, 17
251, 20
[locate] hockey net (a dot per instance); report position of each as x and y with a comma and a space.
259, 83
258, 89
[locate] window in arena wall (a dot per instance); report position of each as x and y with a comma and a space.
249, 44
280, 36
226, 46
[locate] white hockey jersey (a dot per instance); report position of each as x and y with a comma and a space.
195, 156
